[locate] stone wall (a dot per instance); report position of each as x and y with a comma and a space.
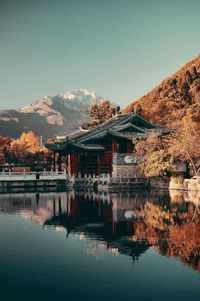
124, 165
125, 171
159, 182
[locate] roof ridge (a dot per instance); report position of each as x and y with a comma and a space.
102, 125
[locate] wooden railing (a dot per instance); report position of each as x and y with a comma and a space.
28, 176
103, 180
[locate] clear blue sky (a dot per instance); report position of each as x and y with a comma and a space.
120, 49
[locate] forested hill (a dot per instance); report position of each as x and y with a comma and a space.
167, 103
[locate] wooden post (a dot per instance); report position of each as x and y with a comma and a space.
59, 162
74, 164
111, 163
114, 146
77, 164
71, 164
99, 166
67, 164
129, 146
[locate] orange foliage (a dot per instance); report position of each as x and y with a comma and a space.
174, 234
24, 150
168, 103
100, 113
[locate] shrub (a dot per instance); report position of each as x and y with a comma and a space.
177, 178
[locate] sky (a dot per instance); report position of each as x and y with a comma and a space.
121, 49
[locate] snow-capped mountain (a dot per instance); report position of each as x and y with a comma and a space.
50, 116
55, 108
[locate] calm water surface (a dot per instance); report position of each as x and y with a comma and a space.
77, 246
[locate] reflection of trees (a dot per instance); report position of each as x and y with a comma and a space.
173, 233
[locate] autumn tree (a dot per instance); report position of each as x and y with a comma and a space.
27, 149
30, 141
100, 113
2, 157
153, 155
22, 148
185, 143
5, 149
161, 154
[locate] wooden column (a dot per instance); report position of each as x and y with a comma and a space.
59, 162
99, 165
129, 143
114, 150
114, 146
66, 164
72, 163
76, 165
111, 164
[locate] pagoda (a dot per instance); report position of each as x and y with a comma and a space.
106, 149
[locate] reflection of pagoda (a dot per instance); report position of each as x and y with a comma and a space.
112, 220
101, 221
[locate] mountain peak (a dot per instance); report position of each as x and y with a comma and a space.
78, 99
50, 116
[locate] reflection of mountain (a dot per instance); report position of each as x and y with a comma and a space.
127, 223
30, 205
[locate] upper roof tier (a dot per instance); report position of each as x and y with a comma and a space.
123, 126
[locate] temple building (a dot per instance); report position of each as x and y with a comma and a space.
107, 149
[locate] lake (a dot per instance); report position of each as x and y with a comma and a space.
87, 246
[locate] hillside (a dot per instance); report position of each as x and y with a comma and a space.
49, 116
168, 102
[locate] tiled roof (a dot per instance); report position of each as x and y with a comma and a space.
115, 121
129, 125
126, 126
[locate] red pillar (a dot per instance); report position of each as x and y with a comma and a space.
76, 165
114, 150
72, 163
129, 146
114, 146
54, 161
99, 166
67, 161
59, 162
